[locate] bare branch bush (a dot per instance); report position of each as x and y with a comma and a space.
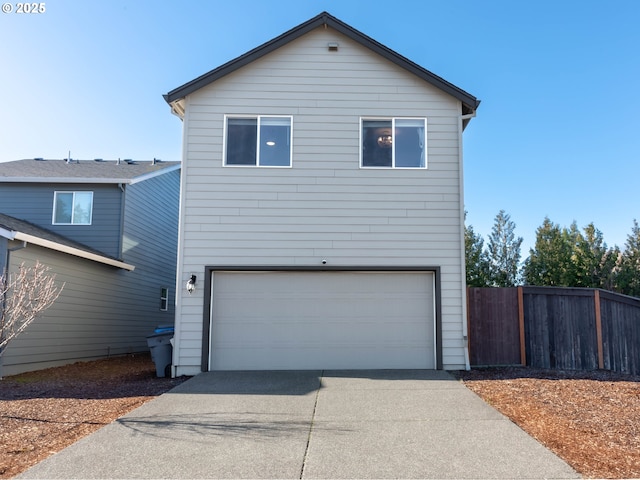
24, 295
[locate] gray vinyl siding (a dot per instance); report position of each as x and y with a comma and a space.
150, 242
104, 310
97, 315
325, 206
34, 203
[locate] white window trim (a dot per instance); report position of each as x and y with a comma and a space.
258, 118
164, 300
73, 202
393, 155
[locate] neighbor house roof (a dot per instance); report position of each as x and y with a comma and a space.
83, 171
16, 229
469, 102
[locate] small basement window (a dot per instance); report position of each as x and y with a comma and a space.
394, 143
258, 141
72, 208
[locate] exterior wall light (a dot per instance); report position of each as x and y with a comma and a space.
191, 284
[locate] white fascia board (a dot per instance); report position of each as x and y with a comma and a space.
149, 175
8, 234
72, 251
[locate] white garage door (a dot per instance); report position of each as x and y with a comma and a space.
322, 320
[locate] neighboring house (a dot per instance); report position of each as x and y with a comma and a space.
322, 209
108, 230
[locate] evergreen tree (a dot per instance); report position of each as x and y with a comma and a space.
610, 267
550, 258
595, 261
628, 280
504, 251
477, 262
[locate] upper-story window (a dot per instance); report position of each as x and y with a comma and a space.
72, 208
394, 142
259, 141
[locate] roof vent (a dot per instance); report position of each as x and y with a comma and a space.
98, 160
129, 161
39, 159
155, 161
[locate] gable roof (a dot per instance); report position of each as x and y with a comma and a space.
83, 171
469, 102
15, 229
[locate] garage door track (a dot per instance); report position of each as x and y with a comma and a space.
310, 424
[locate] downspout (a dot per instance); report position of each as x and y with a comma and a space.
9, 250
463, 286
120, 253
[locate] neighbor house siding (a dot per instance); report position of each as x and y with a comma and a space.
150, 242
97, 314
325, 206
34, 203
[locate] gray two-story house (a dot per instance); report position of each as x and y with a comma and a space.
322, 213
108, 231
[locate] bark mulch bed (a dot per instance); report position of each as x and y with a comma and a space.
45, 411
591, 419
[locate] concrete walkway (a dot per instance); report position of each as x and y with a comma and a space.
312, 424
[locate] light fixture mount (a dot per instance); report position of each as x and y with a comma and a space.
191, 284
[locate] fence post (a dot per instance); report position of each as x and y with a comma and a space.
523, 353
596, 299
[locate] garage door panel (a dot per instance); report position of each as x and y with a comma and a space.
315, 320
320, 357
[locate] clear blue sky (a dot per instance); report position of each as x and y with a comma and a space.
557, 134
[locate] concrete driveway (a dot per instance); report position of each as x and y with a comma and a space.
310, 424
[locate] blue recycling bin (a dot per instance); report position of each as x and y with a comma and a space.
159, 343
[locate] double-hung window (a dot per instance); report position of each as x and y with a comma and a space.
393, 142
259, 141
72, 208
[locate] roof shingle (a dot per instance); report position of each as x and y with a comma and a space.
76, 171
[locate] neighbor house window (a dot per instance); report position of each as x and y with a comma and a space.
164, 299
258, 141
72, 208
394, 143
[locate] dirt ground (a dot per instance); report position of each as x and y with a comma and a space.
591, 419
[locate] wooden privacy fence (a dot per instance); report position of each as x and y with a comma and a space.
549, 327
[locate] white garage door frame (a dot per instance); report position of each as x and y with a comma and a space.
209, 270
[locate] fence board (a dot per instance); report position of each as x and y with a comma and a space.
494, 335
620, 317
564, 328
561, 326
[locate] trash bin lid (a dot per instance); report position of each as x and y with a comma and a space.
164, 329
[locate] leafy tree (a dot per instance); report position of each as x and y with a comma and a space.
566, 257
504, 251
549, 259
628, 279
477, 261
595, 261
